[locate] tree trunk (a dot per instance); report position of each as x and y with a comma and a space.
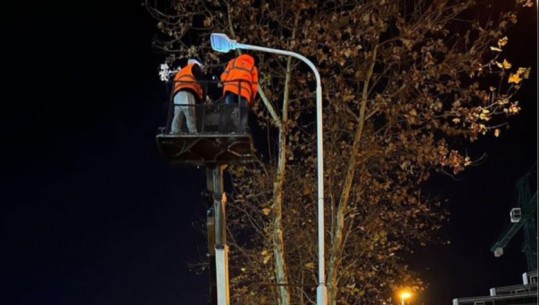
281, 272
342, 209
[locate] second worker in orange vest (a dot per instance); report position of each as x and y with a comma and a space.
240, 86
187, 92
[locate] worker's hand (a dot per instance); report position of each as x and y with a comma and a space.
208, 100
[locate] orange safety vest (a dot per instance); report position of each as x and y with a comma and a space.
241, 78
185, 80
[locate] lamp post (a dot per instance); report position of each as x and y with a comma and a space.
405, 295
221, 43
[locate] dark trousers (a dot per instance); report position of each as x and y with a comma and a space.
234, 114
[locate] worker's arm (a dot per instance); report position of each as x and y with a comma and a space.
254, 82
224, 76
199, 77
197, 73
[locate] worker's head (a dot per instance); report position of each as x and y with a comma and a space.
192, 61
254, 58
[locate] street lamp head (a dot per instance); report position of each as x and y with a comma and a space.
221, 43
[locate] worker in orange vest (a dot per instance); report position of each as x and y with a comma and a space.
240, 86
187, 92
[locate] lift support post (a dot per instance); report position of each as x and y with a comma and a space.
216, 224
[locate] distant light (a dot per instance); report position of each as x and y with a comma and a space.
405, 295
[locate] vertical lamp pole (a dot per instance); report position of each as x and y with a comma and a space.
221, 43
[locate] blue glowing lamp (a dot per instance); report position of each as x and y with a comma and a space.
221, 43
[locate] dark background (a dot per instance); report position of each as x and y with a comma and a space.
90, 214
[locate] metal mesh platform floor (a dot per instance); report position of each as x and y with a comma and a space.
202, 149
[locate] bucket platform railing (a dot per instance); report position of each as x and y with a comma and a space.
220, 136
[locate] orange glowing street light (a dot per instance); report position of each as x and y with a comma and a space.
405, 295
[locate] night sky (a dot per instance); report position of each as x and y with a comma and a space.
90, 214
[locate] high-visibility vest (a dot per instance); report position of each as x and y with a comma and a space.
185, 80
241, 78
